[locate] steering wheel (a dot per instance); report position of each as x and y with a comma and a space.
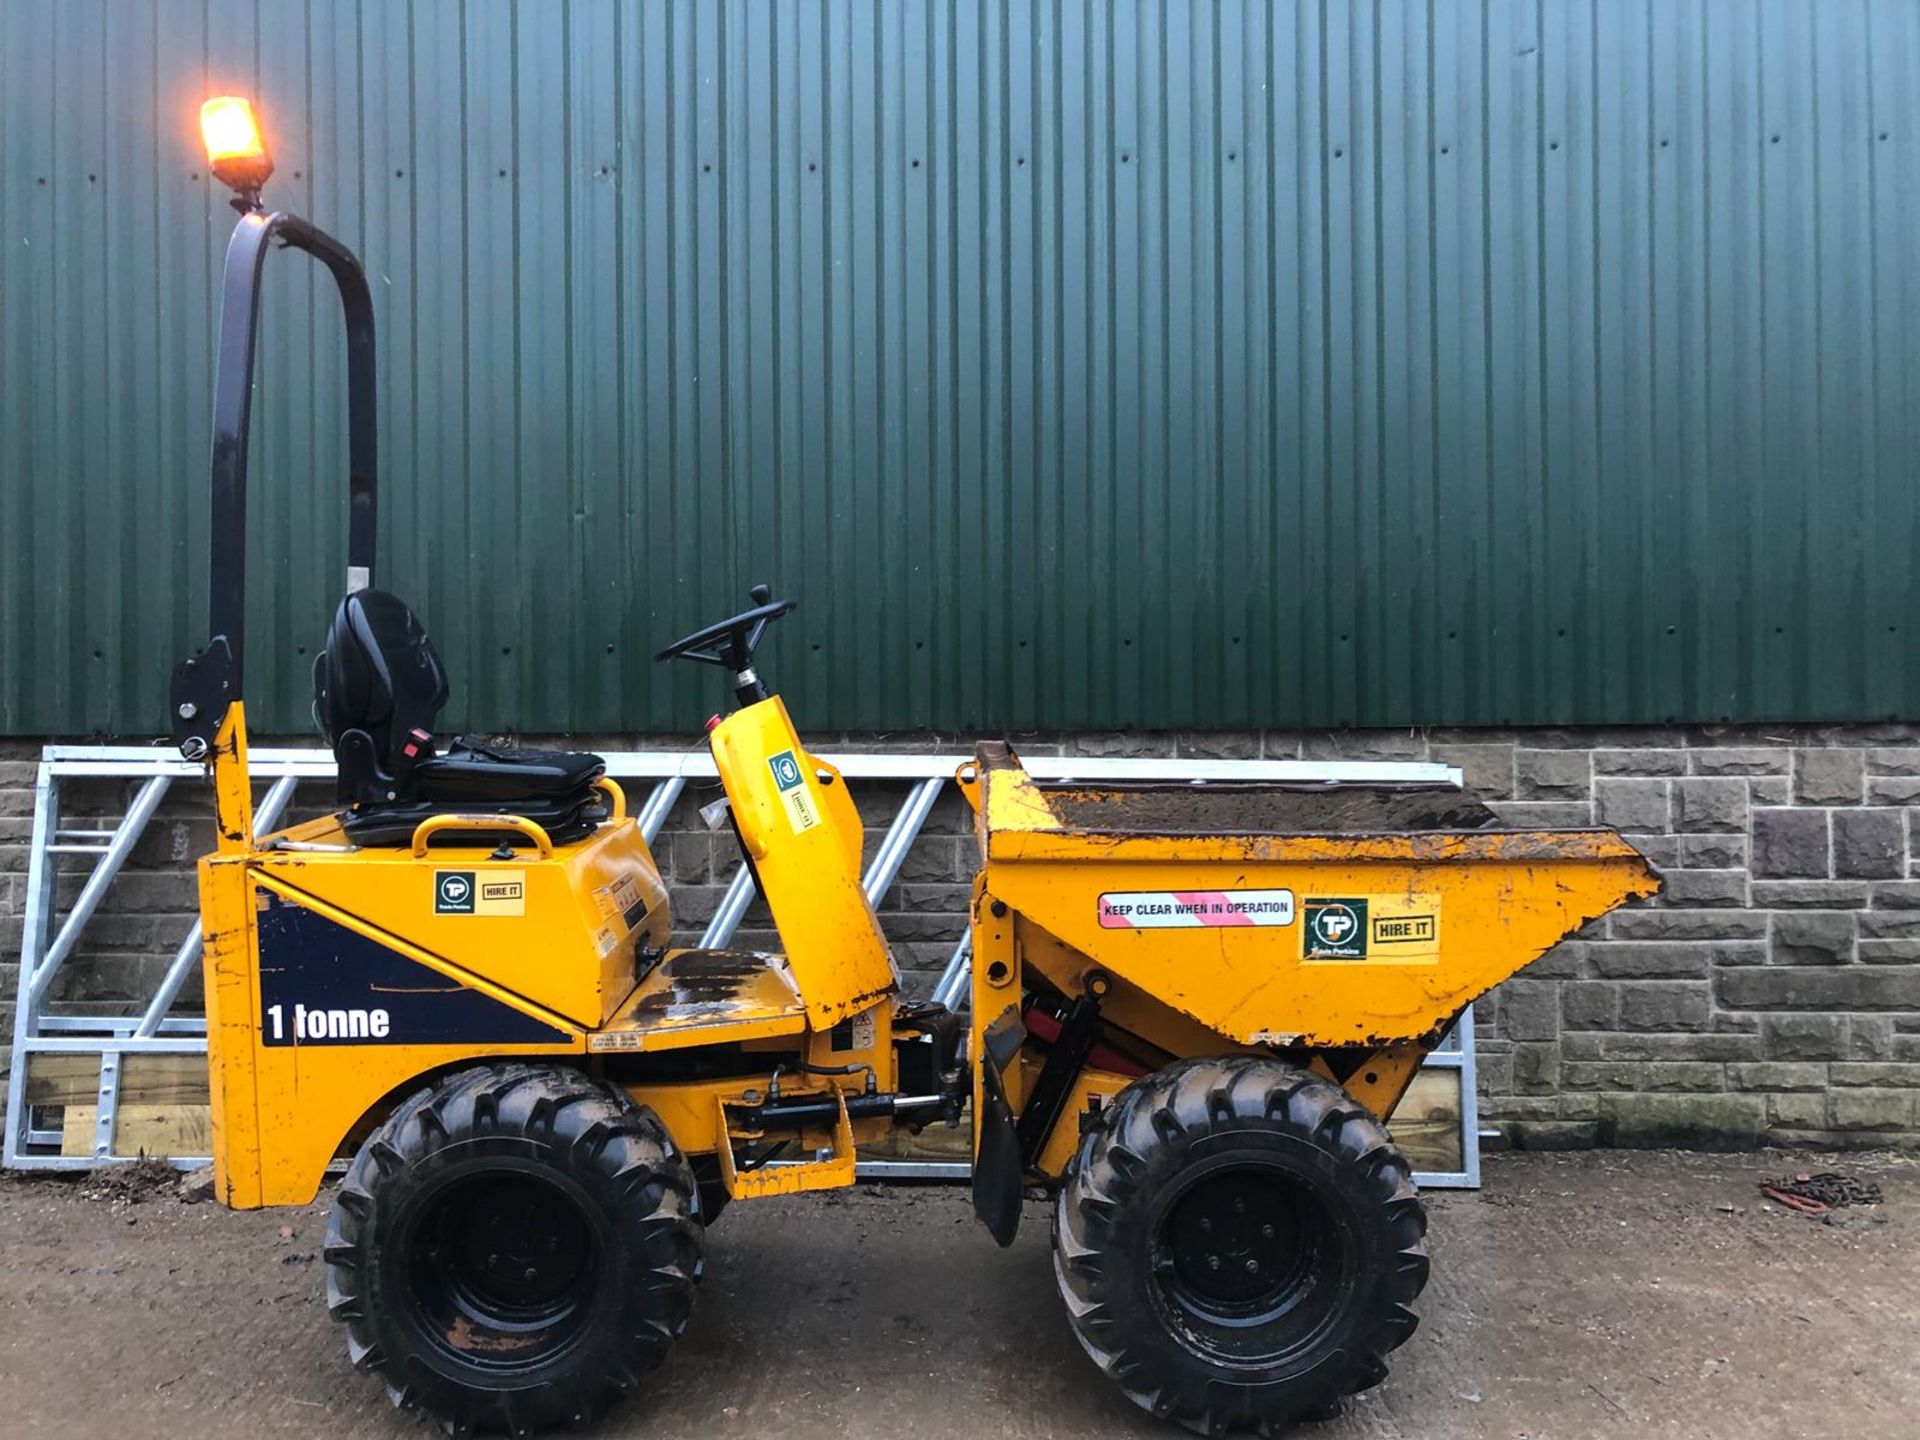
730, 643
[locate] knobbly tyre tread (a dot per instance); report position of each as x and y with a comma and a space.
1111, 1179
587, 1125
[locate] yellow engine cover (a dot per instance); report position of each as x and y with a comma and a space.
559, 932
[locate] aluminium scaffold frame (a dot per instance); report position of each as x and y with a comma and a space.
48, 940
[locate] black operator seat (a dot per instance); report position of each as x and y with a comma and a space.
378, 688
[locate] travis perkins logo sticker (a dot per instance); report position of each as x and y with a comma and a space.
1403, 928
1336, 929
479, 892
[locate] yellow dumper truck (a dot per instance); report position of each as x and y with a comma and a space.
1189, 1008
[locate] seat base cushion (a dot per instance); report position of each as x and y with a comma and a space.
473, 773
566, 819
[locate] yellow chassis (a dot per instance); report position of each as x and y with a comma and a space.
341, 979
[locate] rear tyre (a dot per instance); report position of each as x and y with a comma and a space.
513, 1248
1238, 1244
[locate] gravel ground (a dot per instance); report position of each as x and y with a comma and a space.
1603, 1294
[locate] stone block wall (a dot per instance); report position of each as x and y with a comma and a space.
1770, 994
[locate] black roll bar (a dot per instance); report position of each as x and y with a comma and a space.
206, 685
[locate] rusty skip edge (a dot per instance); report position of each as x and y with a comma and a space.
1447, 846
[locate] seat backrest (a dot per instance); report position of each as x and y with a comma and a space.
377, 682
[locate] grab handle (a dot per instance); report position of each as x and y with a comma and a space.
439, 824
615, 796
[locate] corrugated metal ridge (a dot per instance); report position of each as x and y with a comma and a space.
1076, 365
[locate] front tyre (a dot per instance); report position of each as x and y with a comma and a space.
513, 1248
1238, 1244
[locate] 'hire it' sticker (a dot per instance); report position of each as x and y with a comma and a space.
479, 892
1389, 928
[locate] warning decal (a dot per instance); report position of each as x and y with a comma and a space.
790, 783
1193, 909
621, 898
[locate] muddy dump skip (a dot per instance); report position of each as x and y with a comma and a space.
1347, 915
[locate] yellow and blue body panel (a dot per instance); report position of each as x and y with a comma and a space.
339, 977
316, 1015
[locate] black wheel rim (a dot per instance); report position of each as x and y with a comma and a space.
500, 1267
1252, 1262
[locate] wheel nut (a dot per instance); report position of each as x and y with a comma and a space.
1213, 1262
1253, 1267
1206, 1224
528, 1273
1266, 1232
1239, 1207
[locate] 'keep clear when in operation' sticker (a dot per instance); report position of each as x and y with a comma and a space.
790, 783
1193, 909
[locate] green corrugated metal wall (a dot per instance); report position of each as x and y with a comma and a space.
1075, 364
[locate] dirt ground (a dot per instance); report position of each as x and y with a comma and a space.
1603, 1294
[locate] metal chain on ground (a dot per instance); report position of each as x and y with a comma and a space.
1828, 1190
